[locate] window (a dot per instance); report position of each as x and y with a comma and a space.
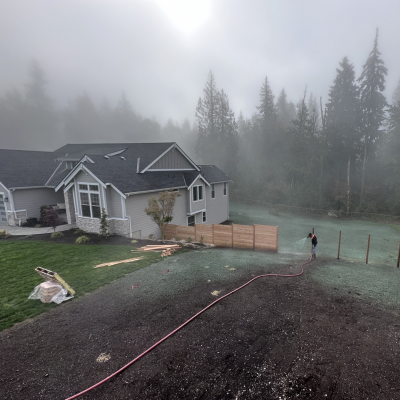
224, 188
212, 191
191, 220
90, 202
197, 193
204, 216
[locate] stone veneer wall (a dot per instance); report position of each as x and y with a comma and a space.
69, 206
116, 226
13, 219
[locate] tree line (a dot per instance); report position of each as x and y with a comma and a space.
344, 155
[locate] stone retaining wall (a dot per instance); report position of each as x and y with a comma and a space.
13, 218
92, 225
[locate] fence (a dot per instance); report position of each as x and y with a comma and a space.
260, 237
317, 211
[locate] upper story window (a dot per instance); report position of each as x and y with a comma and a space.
90, 200
225, 188
212, 191
197, 193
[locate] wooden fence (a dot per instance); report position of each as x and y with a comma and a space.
260, 237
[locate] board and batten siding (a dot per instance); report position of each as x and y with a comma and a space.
200, 204
114, 206
32, 199
174, 159
217, 208
142, 224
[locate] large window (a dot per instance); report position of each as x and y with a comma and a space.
197, 193
212, 191
90, 200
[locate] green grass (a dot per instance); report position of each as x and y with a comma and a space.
74, 264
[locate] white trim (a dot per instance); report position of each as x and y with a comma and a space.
69, 187
23, 209
171, 170
123, 208
156, 190
119, 219
32, 187
117, 190
202, 217
130, 226
195, 212
198, 192
89, 192
74, 172
165, 152
223, 181
202, 177
86, 158
138, 165
53, 173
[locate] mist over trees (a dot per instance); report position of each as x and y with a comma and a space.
341, 155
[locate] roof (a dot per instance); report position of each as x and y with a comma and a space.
22, 168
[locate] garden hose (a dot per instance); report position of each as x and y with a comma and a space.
180, 327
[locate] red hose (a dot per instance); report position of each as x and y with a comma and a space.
177, 329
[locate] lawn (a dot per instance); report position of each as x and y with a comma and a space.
73, 263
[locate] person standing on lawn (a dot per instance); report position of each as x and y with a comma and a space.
314, 243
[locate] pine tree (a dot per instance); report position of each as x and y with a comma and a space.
373, 103
342, 129
396, 94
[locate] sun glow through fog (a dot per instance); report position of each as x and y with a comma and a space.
186, 15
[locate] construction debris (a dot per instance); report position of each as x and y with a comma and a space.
118, 262
54, 277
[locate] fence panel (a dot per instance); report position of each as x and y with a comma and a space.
243, 236
222, 235
205, 231
170, 231
266, 237
184, 232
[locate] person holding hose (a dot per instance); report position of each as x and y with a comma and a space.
314, 243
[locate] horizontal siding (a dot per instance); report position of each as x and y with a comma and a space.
135, 206
83, 178
32, 199
114, 207
217, 208
174, 159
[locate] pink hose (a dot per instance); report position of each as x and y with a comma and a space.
177, 329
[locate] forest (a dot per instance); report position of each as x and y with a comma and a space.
341, 155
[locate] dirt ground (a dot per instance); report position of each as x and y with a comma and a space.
278, 338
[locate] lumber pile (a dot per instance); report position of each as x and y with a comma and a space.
166, 250
54, 277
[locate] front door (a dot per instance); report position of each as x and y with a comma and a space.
3, 216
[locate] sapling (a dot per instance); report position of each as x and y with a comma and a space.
51, 218
104, 232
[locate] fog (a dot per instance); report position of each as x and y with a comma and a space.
134, 70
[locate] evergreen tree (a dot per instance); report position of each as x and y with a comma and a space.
373, 103
124, 120
286, 112
342, 130
396, 94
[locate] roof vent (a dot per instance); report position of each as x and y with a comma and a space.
122, 158
106, 157
211, 166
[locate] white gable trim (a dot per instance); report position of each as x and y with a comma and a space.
69, 187
114, 153
117, 190
59, 165
199, 176
76, 170
165, 152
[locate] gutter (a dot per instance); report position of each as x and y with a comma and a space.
156, 190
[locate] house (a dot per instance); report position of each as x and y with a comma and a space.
119, 177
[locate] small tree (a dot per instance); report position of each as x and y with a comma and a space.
51, 218
104, 224
160, 210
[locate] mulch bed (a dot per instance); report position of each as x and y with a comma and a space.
275, 339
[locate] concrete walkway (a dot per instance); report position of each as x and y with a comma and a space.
19, 230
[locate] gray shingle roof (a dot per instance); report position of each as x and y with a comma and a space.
22, 168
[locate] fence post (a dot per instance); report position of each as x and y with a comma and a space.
276, 243
213, 234
254, 239
369, 237
398, 258
232, 235
338, 252
195, 232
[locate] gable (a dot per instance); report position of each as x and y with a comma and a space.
173, 160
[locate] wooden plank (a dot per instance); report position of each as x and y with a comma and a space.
170, 231
118, 262
205, 231
243, 236
185, 232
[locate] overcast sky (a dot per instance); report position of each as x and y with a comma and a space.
159, 52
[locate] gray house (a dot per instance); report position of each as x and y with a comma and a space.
84, 178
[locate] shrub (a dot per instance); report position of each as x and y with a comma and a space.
189, 240
38, 226
79, 232
4, 234
134, 241
43, 212
56, 235
51, 218
104, 232
82, 239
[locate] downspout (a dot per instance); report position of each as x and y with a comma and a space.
127, 216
